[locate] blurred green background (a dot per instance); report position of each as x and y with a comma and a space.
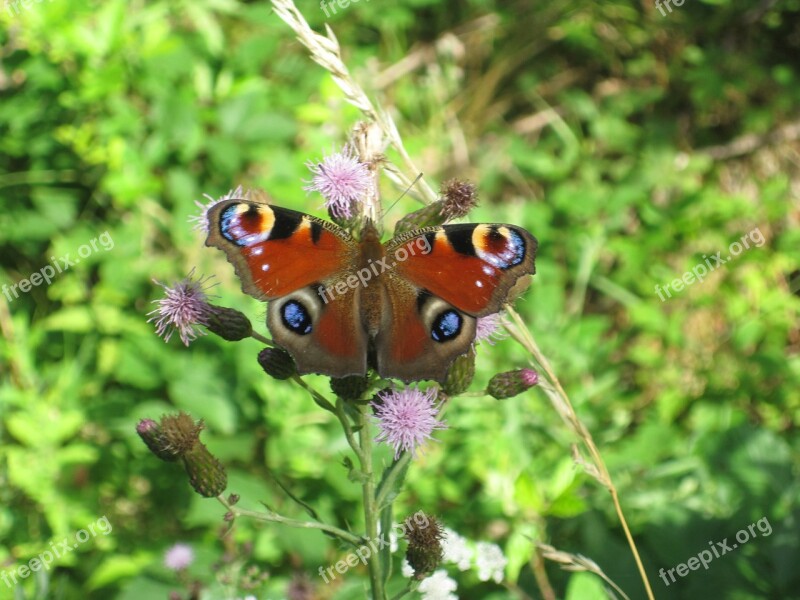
631, 143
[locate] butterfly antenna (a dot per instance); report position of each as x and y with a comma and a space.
403, 194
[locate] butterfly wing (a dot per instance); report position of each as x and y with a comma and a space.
471, 266
439, 281
291, 259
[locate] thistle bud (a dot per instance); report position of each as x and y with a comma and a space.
459, 197
178, 437
206, 473
424, 538
427, 216
152, 436
349, 388
277, 363
460, 374
228, 323
511, 383
180, 433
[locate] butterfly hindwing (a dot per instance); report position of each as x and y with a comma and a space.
323, 333
420, 334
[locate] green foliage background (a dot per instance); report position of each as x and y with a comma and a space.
630, 143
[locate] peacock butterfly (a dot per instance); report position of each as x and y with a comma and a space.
338, 305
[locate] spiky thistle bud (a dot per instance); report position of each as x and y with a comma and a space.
459, 198
277, 363
427, 216
460, 373
228, 323
178, 437
153, 437
424, 535
511, 383
349, 388
206, 474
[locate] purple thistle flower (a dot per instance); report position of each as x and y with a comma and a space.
184, 307
406, 418
178, 557
341, 180
488, 329
201, 221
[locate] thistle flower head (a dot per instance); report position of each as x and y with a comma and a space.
459, 197
201, 220
342, 180
178, 557
424, 551
180, 433
489, 329
178, 437
183, 307
406, 418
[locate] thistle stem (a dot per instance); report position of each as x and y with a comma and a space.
371, 514
274, 517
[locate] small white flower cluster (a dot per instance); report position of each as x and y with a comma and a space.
490, 562
456, 550
438, 587
486, 558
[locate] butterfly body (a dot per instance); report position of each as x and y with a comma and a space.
340, 305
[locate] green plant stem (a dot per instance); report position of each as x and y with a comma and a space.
263, 339
410, 587
390, 479
273, 517
321, 400
371, 515
348, 431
